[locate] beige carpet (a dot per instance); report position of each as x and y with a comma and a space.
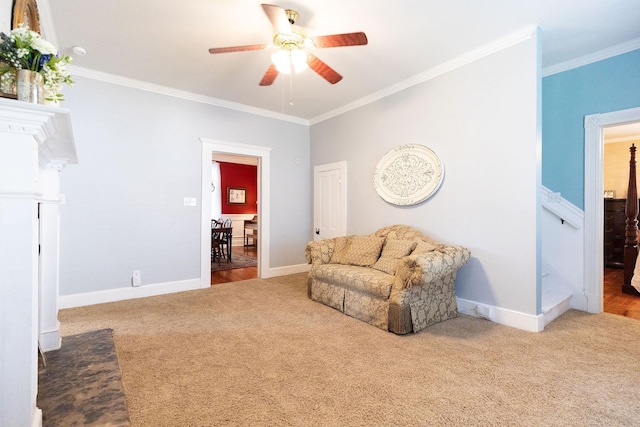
258, 352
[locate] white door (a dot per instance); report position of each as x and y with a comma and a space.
330, 200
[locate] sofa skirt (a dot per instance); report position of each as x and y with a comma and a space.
355, 304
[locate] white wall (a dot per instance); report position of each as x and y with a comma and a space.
139, 157
5, 15
483, 122
563, 255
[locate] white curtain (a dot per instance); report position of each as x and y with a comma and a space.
216, 191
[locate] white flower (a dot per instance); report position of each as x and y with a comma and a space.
43, 46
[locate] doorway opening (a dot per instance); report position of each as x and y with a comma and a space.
235, 172
262, 154
594, 126
617, 142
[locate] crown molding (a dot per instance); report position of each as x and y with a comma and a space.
445, 67
168, 91
458, 62
432, 73
600, 55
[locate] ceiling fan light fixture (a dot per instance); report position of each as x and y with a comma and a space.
287, 59
293, 47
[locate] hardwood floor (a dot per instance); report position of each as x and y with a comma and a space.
237, 274
614, 300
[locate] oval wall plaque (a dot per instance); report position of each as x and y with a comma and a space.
408, 174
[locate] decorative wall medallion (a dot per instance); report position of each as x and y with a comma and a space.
408, 174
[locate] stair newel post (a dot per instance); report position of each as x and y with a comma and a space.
631, 225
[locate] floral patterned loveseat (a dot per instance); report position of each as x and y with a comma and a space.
397, 278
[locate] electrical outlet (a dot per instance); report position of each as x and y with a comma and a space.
190, 201
484, 311
136, 279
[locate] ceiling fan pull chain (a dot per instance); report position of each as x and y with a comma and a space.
282, 95
291, 89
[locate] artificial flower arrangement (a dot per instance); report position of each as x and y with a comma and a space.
26, 50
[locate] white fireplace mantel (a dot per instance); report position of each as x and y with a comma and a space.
50, 127
36, 143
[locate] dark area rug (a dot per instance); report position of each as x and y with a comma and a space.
237, 261
81, 383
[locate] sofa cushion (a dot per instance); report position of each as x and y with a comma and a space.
392, 252
362, 251
360, 279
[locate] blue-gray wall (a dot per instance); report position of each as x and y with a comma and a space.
139, 157
482, 120
609, 85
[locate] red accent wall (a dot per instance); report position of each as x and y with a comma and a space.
239, 176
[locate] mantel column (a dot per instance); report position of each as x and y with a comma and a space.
33, 138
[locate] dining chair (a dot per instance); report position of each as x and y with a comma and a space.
225, 237
216, 244
217, 248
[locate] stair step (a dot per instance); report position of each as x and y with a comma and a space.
554, 304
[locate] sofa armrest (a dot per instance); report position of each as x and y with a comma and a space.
417, 270
319, 251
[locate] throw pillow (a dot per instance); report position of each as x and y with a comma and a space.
392, 253
363, 251
424, 247
340, 247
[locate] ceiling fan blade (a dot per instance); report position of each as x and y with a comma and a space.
326, 72
337, 40
278, 18
238, 48
269, 76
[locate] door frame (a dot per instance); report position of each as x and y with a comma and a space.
210, 146
594, 125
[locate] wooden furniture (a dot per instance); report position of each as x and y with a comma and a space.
251, 231
614, 224
631, 227
221, 242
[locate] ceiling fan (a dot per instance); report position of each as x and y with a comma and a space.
292, 44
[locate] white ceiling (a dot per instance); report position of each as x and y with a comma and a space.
166, 42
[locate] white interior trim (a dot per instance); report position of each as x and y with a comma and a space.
210, 146
457, 62
130, 292
600, 55
453, 64
88, 73
562, 208
289, 269
593, 200
503, 316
